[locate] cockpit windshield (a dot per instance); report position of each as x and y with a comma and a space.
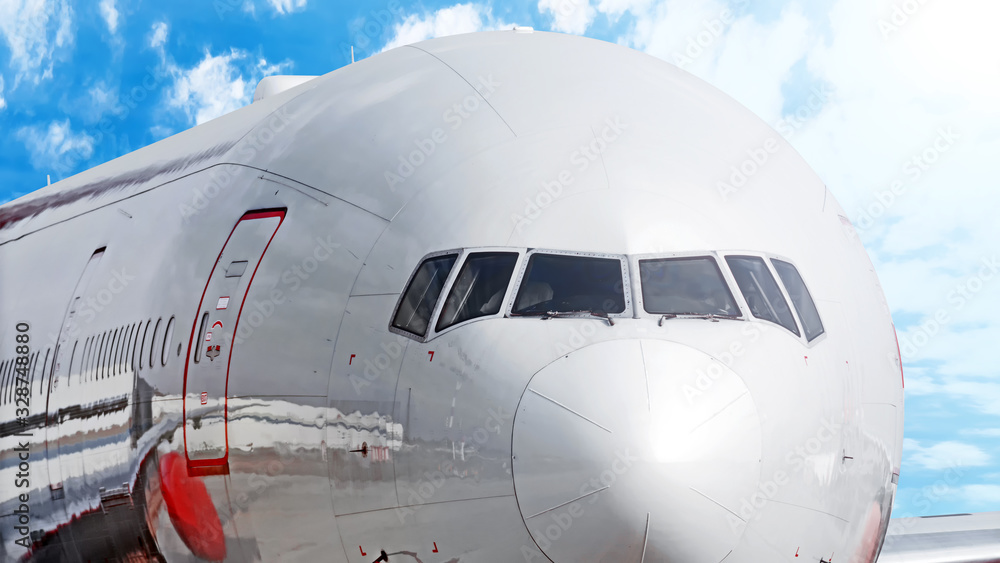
685, 286
563, 283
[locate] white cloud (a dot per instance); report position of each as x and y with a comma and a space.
735, 52
460, 18
287, 6
158, 34
3, 102
991, 432
615, 8
944, 455
982, 494
56, 148
892, 97
101, 98
110, 14
36, 32
574, 16
218, 84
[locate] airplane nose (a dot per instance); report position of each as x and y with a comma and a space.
638, 451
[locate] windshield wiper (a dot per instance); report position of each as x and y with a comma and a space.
546, 315
709, 316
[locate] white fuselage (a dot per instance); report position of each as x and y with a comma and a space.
317, 431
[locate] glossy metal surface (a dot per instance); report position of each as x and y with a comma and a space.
346, 439
958, 538
613, 457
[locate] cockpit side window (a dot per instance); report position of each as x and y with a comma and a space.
761, 291
685, 286
479, 289
803, 302
565, 283
421, 296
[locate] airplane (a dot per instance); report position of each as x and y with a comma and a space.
504, 296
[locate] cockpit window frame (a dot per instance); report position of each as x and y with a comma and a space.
507, 298
741, 299
727, 277
428, 334
463, 255
623, 259
795, 310
631, 288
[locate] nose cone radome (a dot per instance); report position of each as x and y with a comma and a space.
636, 451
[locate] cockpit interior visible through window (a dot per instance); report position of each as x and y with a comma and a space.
761, 292
685, 286
414, 312
479, 289
563, 283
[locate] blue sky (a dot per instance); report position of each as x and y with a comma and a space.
893, 103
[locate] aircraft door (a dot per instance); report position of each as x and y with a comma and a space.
59, 375
206, 372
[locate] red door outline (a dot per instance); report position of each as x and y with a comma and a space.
221, 465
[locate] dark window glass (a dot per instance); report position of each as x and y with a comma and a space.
45, 368
152, 343
422, 295
761, 291
167, 338
803, 302
685, 286
479, 289
100, 357
564, 283
3, 375
142, 344
199, 344
69, 370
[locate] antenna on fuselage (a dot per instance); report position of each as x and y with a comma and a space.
48, 179
352, 54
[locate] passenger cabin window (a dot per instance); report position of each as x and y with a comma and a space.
761, 291
560, 283
803, 302
421, 296
685, 286
479, 289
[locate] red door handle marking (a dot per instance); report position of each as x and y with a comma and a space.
351, 359
435, 547
432, 355
362, 551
